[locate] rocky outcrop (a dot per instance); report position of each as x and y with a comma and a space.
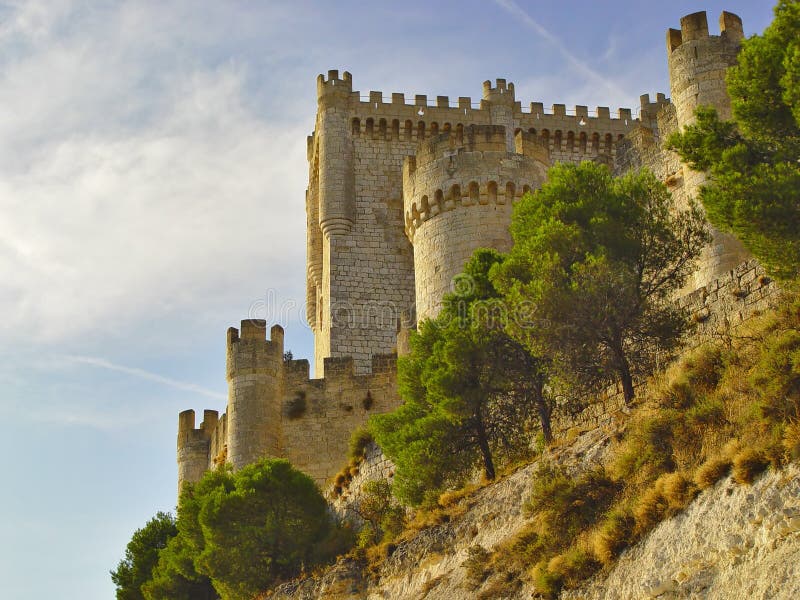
733, 542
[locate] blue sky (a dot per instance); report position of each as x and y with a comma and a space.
152, 177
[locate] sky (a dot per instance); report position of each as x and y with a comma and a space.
152, 178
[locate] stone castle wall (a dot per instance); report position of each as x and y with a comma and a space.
275, 409
400, 193
361, 271
458, 194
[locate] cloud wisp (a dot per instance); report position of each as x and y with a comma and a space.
144, 374
516, 11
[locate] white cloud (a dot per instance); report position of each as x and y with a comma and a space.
134, 182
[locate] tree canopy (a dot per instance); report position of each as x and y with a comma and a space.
469, 391
236, 534
141, 556
754, 191
595, 263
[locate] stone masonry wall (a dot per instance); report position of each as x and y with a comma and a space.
458, 196
317, 441
360, 265
374, 466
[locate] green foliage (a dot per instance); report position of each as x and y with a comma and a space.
776, 377
612, 250
753, 160
614, 534
469, 391
260, 529
242, 532
573, 566
476, 565
383, 517
647, 450
141, 555
546, 583
568, 505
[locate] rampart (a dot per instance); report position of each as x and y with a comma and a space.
275, 409
458, 193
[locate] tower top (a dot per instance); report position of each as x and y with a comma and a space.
695, 27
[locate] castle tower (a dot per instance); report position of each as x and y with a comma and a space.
458, 193
254, 374
194, 445
330, 205
697, 66
500, 103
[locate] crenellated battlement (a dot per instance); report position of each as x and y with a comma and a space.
501, 93
470, 168
249, 352
333, 87
694, 28
399, 117
698, 63
475, 138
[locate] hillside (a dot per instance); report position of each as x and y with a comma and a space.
693, 493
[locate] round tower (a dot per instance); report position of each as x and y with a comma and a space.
254, 374
458, 193
193, 446
698, 63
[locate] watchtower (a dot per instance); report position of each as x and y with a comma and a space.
458, 193
698, 63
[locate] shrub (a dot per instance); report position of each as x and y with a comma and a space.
670, 494
383, 517
546, 583
704, 367
650, 509
677, 490
708, 412
567, 505
748, 464
647, 450
776, 377
711, 471
573, 566
791, 440
676, 393
476, 566
359, 440
614, 535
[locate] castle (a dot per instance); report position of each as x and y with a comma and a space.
400, 193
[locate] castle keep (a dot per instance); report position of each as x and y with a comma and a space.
401, 192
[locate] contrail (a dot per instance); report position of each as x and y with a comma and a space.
511, 7
142, 374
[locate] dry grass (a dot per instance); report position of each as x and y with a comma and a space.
711, 471
613, 535
749, 464
791, 441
